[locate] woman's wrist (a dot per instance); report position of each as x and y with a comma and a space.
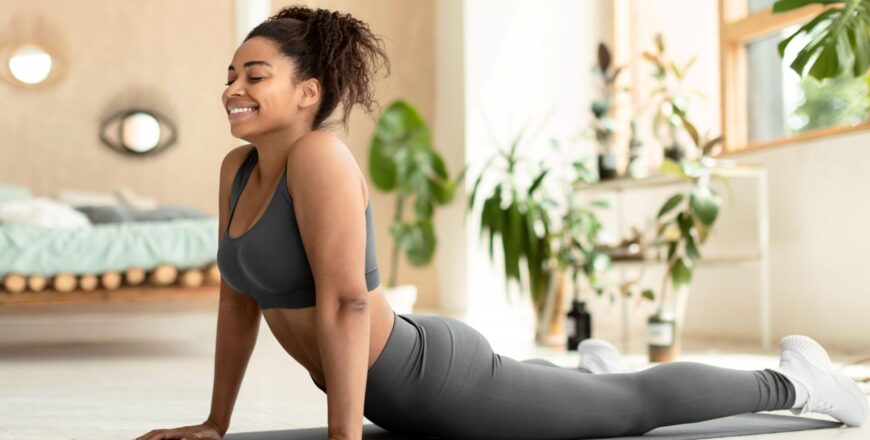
220, 427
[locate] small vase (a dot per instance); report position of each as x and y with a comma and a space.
664, 330
662, 337
607, 166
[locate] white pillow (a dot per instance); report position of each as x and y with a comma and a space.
74, 197
43, 212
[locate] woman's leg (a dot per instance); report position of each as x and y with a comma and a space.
472, 393
546, 363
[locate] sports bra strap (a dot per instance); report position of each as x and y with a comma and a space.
241, 177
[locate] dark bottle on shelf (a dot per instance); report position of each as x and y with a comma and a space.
578, 323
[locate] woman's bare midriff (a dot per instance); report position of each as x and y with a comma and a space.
295, 331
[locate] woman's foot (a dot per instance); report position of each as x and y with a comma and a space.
819, 388
600, 356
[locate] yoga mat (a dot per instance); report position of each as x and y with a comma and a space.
741, 424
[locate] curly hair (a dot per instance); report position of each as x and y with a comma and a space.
338, 50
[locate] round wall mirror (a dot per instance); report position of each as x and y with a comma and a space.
138, 132
30, 64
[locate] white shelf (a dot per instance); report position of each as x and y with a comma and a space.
725, 168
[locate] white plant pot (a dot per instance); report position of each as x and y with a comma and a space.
401, 298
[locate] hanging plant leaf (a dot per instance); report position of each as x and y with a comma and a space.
681, 274
692, 249
670, 204
704, 205
648, 295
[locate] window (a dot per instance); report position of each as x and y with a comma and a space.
764, 101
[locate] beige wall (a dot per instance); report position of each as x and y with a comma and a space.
167, 55
172, 56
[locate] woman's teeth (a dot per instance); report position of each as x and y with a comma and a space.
242, 110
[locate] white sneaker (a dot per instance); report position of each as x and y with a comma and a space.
600, 356
830, 392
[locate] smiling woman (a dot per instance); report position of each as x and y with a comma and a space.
296, 244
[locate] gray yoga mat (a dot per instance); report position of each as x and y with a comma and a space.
733, 426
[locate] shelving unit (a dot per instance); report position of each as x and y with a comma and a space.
621, 186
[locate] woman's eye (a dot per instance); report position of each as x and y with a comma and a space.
253, 78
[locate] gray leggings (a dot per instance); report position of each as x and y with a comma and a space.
439, 378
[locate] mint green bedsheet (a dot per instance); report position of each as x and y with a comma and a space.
106, 247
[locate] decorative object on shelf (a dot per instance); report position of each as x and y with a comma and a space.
138, 132
840, 44
32, 53
603, 124
578, 323
670, 99
636, 166
630, 248
401, 159
684, 223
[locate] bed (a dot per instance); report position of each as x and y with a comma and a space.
56, 248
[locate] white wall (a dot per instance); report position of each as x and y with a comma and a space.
819, 192
523, 60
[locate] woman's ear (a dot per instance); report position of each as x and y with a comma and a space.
310, 92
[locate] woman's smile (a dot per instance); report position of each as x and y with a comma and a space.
241, 113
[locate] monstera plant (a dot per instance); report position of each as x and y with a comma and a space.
839, 41
401, 159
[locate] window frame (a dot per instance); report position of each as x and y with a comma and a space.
737, 27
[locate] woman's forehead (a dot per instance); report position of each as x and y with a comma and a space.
257, 49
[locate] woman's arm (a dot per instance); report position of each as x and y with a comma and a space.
329, 204
238, 318
237, 329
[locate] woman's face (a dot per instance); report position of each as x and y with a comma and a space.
260, 86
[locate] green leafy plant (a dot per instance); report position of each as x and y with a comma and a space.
578, 251
512, 213
839, 41
686, 218
401, 159
670, 97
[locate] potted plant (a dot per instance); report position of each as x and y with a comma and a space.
604, 125
522, 216
669, 98
684, 223
401, 159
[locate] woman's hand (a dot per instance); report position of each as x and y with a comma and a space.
207, 431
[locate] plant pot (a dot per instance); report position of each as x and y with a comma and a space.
401, 298
675, 153
550, 328
662, 337
607, 166
664, 329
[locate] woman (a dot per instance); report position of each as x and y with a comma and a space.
295, 214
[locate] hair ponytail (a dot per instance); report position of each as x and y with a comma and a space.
337, 49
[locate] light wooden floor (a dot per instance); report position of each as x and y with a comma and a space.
118, 371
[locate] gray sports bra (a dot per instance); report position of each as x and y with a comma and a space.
268, 261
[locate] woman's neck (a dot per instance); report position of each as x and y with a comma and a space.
273, 149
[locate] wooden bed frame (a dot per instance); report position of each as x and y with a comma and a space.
135, 285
